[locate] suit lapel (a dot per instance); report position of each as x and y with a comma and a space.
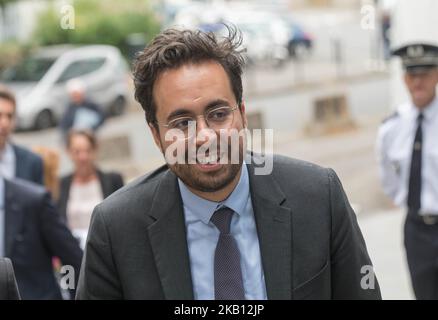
168, 240
64, 195
103, 184
274, 228
13, 218
19, 165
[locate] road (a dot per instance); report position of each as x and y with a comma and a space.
359, 51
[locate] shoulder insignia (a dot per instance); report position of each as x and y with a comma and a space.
392, 116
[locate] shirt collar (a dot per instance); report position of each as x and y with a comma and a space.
429, 112
203, 209
7, 152
2, 193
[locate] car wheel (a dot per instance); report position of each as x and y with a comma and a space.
118, 106
44, 120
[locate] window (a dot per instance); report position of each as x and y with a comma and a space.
80, 68
32, 69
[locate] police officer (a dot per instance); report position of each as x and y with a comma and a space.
408, 157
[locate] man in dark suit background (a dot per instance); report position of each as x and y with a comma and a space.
205, 226
15, 161
8, 284
32, 233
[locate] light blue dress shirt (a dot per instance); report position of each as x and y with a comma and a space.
7, 162
202, 237
2, 217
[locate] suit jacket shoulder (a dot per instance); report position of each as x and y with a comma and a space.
137, 194
27, 190
29, 165
299, 180
26, 154
110, 182
294, 173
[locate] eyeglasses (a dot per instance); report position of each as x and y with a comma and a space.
218, 118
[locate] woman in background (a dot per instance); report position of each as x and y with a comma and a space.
87, 186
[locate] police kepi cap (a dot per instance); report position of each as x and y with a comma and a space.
417, 57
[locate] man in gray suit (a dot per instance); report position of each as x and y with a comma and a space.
208, 226
8, 284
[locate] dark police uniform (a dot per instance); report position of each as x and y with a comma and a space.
408, 158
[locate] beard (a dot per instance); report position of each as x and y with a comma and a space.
211, 181
206, 181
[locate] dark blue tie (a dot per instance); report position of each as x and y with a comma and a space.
228, 283
414, 192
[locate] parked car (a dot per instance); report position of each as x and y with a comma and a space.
265, 35
263, 43
39, 82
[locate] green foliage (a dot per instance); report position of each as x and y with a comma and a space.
97, 22
11, 53
3, 3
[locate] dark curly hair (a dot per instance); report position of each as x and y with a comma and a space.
173, 48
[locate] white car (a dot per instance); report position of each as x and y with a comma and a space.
39, 82
265, 36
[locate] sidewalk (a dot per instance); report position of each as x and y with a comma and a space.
383, 233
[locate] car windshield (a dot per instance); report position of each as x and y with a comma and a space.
29, 70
